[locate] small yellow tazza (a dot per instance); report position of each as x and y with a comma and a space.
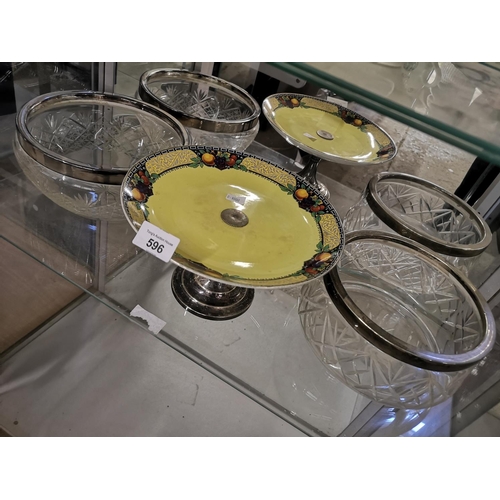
240, 219
327, 130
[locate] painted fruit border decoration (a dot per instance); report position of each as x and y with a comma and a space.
346, 115
140, 183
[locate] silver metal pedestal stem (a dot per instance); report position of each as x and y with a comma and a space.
309, 173
209, 299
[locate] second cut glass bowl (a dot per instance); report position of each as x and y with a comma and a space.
424, 212
215, 111
395, 322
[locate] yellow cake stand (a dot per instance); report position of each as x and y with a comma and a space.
326, 131
243, 223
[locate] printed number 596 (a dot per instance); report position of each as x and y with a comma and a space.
154, 245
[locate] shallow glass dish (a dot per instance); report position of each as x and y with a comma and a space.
215, 111
424, 212
395, 322
76, 147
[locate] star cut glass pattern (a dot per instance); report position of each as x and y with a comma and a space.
423, 209
100, 135
215, 112
410, 299
110, 136
200, 100
231, 110
426, 212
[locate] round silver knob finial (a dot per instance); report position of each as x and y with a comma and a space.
325, 135
234, 217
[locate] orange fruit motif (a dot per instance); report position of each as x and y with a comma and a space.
301, 194
357, 122
322, 257
295, 102
137, 195
208, 159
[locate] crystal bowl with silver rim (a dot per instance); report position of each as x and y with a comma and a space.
424, 212
395, 322
215, 111
76, 147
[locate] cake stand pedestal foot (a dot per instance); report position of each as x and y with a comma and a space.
210, 299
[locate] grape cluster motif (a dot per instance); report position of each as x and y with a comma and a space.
386, 151
221, 160
351, 118
319, 262
142, 185
289, 102
307, 200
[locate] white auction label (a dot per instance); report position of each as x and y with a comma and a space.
236, 198
156, 241
309, 136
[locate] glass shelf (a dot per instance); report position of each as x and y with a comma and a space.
458, 103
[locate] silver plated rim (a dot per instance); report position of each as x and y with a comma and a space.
389, 344
73, 168
386, 215
266, 109
188, 120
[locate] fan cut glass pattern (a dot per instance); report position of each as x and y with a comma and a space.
409, 298
102, 136
200, 100
427, 211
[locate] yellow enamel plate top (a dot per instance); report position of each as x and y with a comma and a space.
327, 130
239, 218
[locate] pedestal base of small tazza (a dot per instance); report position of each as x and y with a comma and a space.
210, 299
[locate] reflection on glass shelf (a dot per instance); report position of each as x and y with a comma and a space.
264, 349
456, 102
